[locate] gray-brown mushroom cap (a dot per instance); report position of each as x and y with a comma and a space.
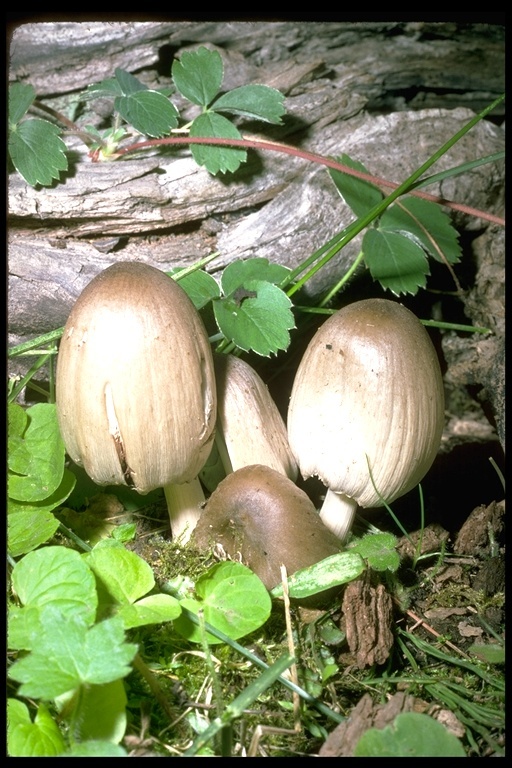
261, 515
135, 388
368, 396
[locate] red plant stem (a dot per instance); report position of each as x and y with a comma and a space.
312, 157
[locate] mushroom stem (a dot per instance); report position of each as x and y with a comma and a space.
184, 503
337, 513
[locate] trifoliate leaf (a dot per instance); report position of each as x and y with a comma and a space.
198, 75
258, 102
360, 195
258, 319
238, 272
395, 260
150, 112
69, 654
21, 97
37, 151
59, 577
428, 223
217, 158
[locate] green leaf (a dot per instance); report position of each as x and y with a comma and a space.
232, 598
216, 159
395, 260
154, 609
122, 573
41, 738
379, 550
31, 524
37, 151
200, 287
104, 89
149, 112
259, 320
100, 713
21, 97
68, 654
411, 735
238, 272
95, 749
490, 653
328, 573
28, 529
360, 195
258, 102
198, 75
56, 576
426, 222
36, 461
128, 83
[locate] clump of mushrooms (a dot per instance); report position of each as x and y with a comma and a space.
135, 387
366, 411
250, 429
259, 515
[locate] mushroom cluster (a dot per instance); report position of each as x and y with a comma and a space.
135, 387
366, 411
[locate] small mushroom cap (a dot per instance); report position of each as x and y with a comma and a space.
261, 515
250, 423
368, 390
135, 387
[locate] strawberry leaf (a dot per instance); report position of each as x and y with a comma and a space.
216, 159
258, 102
360, 195
37, 151
198, 75
428, 223
150, 112
21, 97
396, 261
259, 321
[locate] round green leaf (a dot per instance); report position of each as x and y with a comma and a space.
411, 735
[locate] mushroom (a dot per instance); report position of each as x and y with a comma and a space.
250, 429
259, 515
366, 411
135, 387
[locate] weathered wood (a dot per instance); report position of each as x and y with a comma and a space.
374, 90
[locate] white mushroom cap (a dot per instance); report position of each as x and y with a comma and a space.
248, 420
368, 393
136, 397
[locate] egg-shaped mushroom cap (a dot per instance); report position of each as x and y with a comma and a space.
260, 515
368, 395
135, 385
252, 427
